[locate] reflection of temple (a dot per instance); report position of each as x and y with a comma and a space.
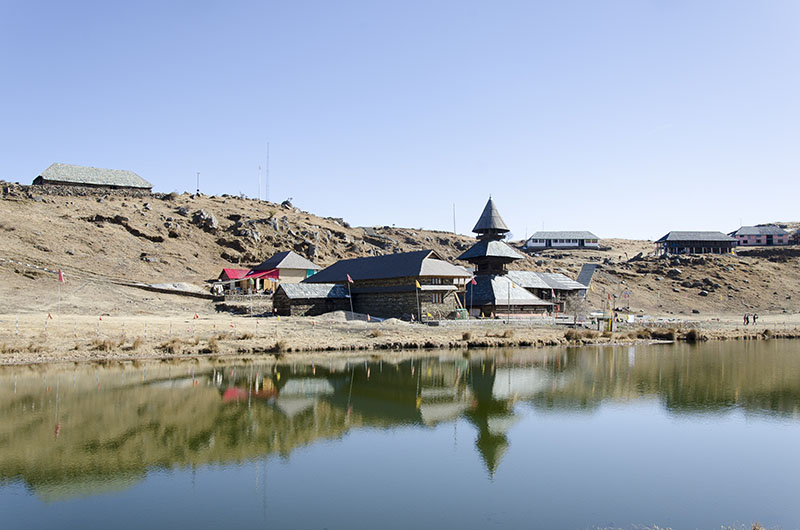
106, 429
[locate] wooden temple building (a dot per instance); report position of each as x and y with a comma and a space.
491, 291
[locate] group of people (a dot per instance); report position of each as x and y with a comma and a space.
747, 316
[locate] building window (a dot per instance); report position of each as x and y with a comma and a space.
436, 281
437, 298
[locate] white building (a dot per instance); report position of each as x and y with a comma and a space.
563, 239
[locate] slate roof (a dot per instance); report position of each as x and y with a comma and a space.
496, 290
303, 291
564, 235
490, 220
94, 176
694, 236
767, 230
586, 274
400, 265
545, 280
496, 249
287, 260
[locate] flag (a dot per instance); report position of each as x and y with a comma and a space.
60, 276
349, 279
49, 316
418, 285
473, 282
195, 316
553, 293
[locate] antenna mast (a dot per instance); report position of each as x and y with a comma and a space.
454, 218
266, 174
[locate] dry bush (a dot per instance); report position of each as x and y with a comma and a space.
692, 336
766, 333
102, 345
663, 334
172, 346
245, 336
137, 343
5, 348
607, 334
280, 347
578, 334
375, 333
507, 334
213, 345
466, 335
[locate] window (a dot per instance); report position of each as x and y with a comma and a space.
436, 281
437, 298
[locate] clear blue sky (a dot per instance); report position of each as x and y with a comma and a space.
627, 118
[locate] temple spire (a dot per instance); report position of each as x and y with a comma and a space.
490, 224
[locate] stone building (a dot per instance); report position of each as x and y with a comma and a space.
398, 285
492, 292
301, 299
695, 243
91, 177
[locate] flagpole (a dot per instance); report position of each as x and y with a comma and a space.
350, 296
419, 307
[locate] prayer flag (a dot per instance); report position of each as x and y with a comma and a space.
418, 285
349, 279
60, 276
473, 282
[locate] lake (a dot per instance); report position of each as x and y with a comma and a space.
680, 436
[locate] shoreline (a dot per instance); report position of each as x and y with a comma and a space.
32, 339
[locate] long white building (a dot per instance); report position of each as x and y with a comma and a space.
563, 239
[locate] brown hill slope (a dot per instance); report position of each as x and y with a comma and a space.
101, 240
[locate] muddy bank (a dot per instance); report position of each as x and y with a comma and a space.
33, 338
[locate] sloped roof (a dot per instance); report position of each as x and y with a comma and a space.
499, 291
234, 274
94, 176
694, 236
765, 230
490, 220
496, 249
545, 280
404, 264
303, 291
287, 260
564, 234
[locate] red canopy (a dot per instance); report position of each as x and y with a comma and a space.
255, 275
233, 274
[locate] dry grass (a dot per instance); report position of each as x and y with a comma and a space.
244, 336
375, 333
579, 334
280, 347
137, 343
213, 345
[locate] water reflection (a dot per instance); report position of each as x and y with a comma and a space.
75, 433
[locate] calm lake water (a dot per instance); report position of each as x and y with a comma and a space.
677, 436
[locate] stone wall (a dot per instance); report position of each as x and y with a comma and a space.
9, 189
285, 306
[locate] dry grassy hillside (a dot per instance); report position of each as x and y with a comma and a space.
102, 240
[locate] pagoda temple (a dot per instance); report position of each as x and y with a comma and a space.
491, 292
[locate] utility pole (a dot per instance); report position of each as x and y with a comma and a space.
259, 182
198, 183
454, 218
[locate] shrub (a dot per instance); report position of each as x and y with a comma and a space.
213, 345
375, 333
507, 334
607, 334
466, 335
102, 345
137, 343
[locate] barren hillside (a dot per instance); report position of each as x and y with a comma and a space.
102, 240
